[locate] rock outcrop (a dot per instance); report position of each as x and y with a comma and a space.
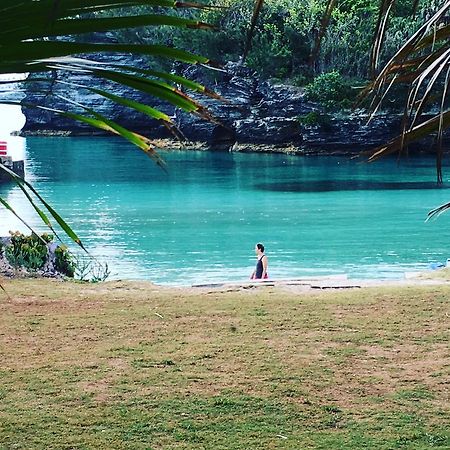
253, 112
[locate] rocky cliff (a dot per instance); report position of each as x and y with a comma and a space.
255, 112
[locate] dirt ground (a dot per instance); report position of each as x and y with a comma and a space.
327, 367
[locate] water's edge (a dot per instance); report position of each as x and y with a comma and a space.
199, 221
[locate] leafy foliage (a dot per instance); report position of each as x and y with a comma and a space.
89, 269
332, 90
34, 252
315, 119
45, 36
422, 63
64, 261
29, 252
286, 33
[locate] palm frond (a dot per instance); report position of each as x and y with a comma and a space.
256, 12
436, 212
6, 205
23, 184
323, 27
5, 292
422, 64
40, 36
380, 31
400, 63
420, 131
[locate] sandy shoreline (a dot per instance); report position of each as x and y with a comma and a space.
300, 284
331, 282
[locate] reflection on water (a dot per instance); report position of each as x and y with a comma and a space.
348, 185
200, 221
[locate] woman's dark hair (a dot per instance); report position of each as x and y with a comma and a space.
261, 247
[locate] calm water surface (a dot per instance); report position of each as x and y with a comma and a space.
200, 221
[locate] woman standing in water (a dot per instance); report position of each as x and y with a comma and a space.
261, 264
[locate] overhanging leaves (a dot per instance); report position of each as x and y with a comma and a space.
25, 28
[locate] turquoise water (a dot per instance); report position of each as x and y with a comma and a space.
199, 222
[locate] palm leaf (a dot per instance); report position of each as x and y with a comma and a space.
6, 293
22, 55
421, 38
421, 63
253, 22
32, 39
7, 206
83, 26
436, 212
331, 4
61, 222
380, 31
418, 132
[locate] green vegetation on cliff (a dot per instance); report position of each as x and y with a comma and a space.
286, 32
285, 35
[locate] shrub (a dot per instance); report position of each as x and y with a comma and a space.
64, 261
331, 89
300, 80
315, 119
87, 268
29, 252
32, 253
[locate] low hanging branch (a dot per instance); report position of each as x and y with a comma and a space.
380, 31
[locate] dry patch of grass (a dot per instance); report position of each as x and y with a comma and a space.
130, 365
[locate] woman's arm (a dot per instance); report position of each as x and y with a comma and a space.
265, 265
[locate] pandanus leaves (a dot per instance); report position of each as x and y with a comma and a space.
422, 63
33, 39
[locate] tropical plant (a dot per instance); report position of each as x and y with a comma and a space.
285, 34
422, 63
34, 39
316, 119
89, 269
29, 252
65, 261
331, 89
32, 252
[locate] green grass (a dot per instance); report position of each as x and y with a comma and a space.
132, 366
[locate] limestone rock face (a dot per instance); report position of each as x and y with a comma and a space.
74, 86
253, 111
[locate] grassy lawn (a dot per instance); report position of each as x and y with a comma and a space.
124, 365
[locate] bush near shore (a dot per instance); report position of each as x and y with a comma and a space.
22, 255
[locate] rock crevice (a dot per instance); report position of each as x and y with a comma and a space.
254, 112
